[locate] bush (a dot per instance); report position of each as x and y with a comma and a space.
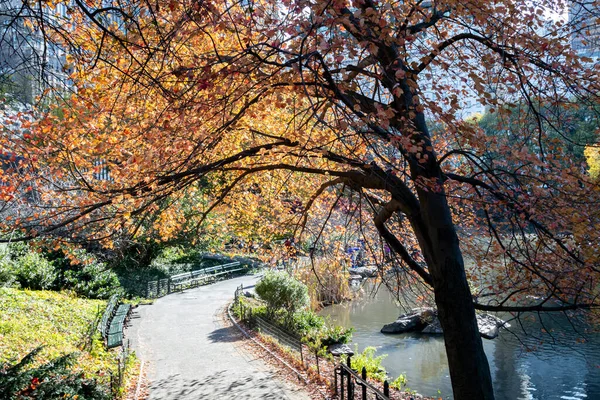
282, 292
371, 363
87, 276
93, 280
53, 380
333, 334
33, 271
7, 276
307, 321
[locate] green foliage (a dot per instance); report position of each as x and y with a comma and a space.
93, 280
7, 276
371, 363
60, 322
574, 126
33, 271
52, 380
307, 321
87, 276
18, 249
400, 382
282, 292
153, 261
333, 334
169, 255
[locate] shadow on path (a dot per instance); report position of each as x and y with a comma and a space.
226, 335
220, 385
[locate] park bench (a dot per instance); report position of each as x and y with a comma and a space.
111, 307
115, 332
112, 321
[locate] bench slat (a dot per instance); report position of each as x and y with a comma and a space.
115, 340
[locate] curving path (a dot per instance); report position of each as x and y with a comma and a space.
189, 352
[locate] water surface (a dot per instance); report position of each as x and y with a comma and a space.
523, 367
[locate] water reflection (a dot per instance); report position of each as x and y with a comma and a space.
561, 367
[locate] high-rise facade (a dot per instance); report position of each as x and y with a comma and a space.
584, 20
28, 62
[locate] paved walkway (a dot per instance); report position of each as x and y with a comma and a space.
190, 353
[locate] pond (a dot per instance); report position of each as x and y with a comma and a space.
564, 368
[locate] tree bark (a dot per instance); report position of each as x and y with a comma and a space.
469, 368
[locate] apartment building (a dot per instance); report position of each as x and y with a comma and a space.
584, 20
29, 64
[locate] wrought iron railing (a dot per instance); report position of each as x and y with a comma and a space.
349, 384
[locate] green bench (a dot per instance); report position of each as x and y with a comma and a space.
108, 315
115, 331
112, 322
189, 279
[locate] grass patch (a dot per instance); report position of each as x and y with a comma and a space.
59, 321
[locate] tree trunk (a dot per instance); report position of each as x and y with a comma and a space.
469, 368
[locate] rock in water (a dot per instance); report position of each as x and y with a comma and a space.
339, 349
414, 321
425, 320
364, 272
489, 325
434, 327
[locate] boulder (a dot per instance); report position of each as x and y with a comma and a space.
339, 349
414, 321
249, 294
489, 325
433, 328
425, 320
364, 272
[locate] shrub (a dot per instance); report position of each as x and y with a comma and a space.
371, 363
307, 321
333, 334
33, 271
18, 249
400, 382
7, 276
87, 276
53, 380
93, 280
282, 292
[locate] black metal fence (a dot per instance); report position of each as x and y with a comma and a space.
349, 385
117, 378
280, 335
265, 327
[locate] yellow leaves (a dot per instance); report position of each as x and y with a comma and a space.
592, 158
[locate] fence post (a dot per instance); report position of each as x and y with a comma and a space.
335, 374
350, 391
364, 387
169, 286
342, 373
386, 388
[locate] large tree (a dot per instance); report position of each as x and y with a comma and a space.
279, 101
